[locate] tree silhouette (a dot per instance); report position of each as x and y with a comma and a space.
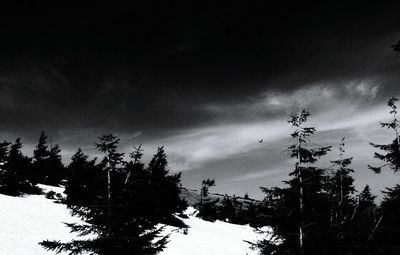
392, 155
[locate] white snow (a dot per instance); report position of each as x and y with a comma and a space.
208, 238
25, 221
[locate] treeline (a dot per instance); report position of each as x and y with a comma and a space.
20, 174
319, 211
123, 204
227, 208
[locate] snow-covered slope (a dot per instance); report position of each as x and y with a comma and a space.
25, 221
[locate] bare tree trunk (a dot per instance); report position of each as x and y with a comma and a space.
109, 200
301, 202
371, 236
301, 207
127, 178
341, 195
355, 209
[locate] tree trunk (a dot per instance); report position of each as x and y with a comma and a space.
109, 199
301, 202
301, 207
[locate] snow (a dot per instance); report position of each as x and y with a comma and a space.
26, 221
208, 238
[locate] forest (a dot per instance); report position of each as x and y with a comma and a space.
124, 204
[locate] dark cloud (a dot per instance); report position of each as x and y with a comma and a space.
152, 71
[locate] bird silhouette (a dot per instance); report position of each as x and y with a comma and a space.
261, 140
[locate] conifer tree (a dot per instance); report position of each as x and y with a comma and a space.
392, 155
40, 159
17, 172
207, 206
84, 179
164, 191
303, 154
388, 223
341, 187
300, 212
4, 173
55, 168
118, 213
4, 149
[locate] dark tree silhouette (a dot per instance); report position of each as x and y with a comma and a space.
47, 163
123, 205
299, 212
392, 155
16, 174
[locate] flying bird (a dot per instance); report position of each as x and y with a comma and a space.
261, 140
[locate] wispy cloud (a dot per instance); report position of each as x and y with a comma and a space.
344, 106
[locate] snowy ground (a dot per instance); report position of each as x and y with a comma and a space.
25, 221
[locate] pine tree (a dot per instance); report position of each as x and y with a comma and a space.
17, 172
300, 212
117, 212
341, 187
84, 179
387, 223
4, 149
227, 210
304, 155
164, 191
40, 159
5, 175
392, 155
55, 168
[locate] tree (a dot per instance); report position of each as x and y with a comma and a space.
47, 164
387, 236
205, 186
108, 144
4, 148
392, 155
5, 175
300, 212
118, 211
164, 191
341, 187
17, 172
387, 224
207, 206
55, 168
303, 155
84, 179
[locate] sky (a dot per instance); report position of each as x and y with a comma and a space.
206, 81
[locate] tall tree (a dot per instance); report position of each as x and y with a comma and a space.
388, 223
298, 213
303, 154
108, 144
341, 187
